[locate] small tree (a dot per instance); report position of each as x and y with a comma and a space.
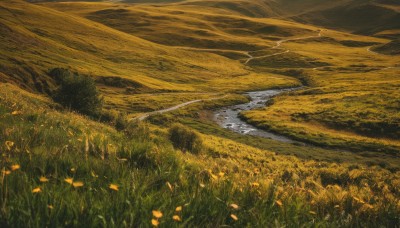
78, 93
185, 139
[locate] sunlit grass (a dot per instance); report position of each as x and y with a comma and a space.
63, 169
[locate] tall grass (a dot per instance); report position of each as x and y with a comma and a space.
61, 169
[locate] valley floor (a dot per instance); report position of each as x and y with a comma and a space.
167, 66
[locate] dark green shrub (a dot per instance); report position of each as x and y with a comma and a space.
60, 74
78, 93
185, 139
121, 123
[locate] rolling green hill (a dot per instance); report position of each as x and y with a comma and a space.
167, 71
33, 39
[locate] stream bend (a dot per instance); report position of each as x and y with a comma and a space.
228, 117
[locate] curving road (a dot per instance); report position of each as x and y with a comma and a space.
278, 44
146, 115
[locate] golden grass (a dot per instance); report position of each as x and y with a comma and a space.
111, 47
102, 51
352, 98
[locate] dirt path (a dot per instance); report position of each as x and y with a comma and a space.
264, 56
369, 50
278, 44
173, 108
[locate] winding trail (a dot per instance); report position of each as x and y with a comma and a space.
278, 44
264, 56
373, 52
173, 108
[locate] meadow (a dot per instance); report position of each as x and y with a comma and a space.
61, 168
352, 106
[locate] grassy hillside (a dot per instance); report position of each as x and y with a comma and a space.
352, 102
350, 15
203, 30
189, 24
106, 52
33, 44
83, 173
180, 168
391, 48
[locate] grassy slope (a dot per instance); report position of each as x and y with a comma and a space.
391, 48
354, 101
114, 49
33, 39
350, 15
184, 20
150, 175
188, 24
269, 188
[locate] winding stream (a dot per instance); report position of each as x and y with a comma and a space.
228, 117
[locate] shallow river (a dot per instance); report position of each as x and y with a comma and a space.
228, 117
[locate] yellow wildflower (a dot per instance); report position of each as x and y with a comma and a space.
176, 218
114, 187
69, 180
157, 214
43, 179
77, 184
15, 167
178, 209
155, 222
234, 206
234, 217
36, 190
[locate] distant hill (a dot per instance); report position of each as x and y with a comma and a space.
253, 8
365, 17
357, 16
35, 39
391, 48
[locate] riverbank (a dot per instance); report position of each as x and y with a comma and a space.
228, 117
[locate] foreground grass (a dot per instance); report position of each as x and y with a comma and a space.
61, 169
